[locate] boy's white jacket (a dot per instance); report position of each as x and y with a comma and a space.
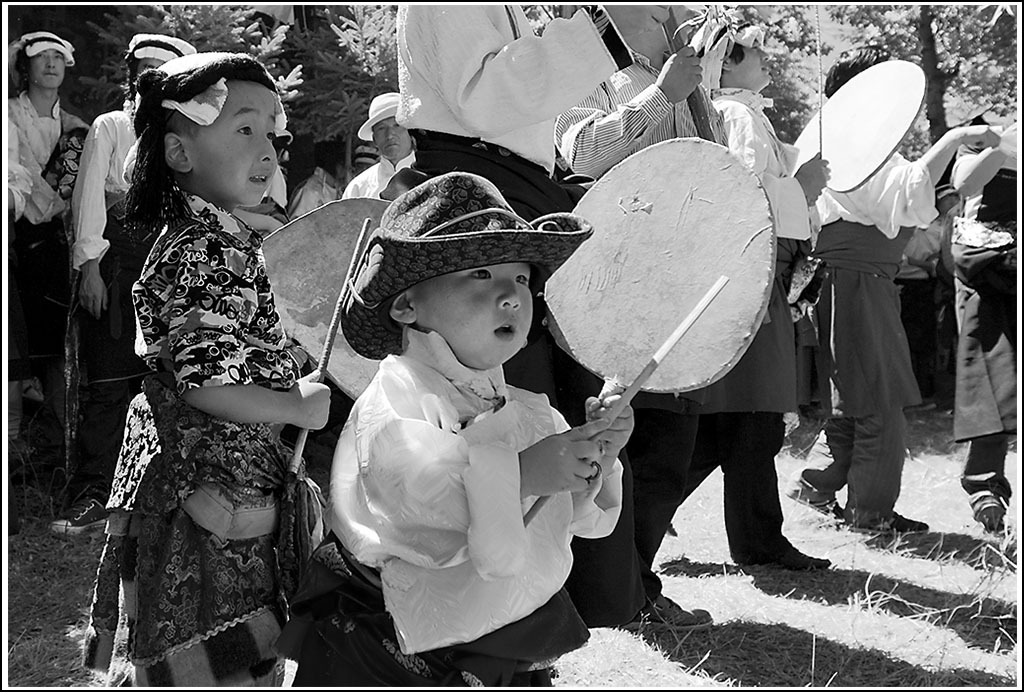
425, 487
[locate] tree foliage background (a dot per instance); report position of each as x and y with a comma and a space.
968, 53
349, 55
234, 28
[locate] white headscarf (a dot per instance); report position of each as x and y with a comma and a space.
718, 30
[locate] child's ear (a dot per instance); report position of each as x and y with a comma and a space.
401, 309
176, 153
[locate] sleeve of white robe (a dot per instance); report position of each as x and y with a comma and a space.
900, 194
495, 85
750, 140
88, 200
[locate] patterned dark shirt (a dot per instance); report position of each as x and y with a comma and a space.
205, 307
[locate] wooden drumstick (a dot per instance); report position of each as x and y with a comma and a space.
627, 395
332, 332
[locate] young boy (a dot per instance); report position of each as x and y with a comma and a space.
432, 576
199, 537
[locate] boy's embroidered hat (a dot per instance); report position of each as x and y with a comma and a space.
382, 106
450, 223
36, 42
158, 47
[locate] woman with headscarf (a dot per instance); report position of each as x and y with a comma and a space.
43, 147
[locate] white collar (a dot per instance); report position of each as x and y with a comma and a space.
430, 348
386, 169
747, 97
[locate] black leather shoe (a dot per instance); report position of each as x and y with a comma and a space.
791, 559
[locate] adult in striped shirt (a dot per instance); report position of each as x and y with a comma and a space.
643, 104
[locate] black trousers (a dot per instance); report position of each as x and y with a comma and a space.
659, 451
744, 445
103, 409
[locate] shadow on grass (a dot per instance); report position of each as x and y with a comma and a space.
775, 655
980, 553
984, 623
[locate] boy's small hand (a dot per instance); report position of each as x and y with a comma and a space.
312, 403
562, 462
613, 438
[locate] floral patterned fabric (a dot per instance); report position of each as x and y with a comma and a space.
205, 306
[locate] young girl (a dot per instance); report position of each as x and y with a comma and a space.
432, 576
197, 528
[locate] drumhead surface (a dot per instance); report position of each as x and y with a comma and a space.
668, 222
307, 260
864, 122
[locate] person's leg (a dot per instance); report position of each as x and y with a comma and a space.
605, 584
14, 412
749, 443
103, 411
829, 464
985, 482
659, 451
876, 473
705, 456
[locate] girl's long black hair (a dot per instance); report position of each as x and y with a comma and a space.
153, 197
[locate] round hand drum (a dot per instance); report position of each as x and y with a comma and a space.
307, 260
668, 222
864, 122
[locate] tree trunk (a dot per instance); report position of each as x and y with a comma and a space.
936, 79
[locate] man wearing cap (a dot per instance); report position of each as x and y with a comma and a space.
109, 263
392, 140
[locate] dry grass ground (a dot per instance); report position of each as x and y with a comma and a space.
929, 610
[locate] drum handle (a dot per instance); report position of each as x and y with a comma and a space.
332, 332
627, 395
